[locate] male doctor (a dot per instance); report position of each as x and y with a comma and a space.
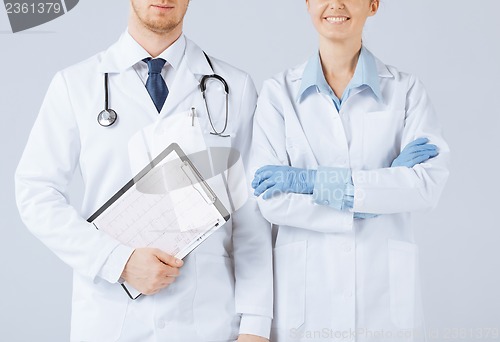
222, 291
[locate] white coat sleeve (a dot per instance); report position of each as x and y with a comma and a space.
402, 189
252, 246
269, 148
42, 177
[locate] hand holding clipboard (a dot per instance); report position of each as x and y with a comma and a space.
168, 205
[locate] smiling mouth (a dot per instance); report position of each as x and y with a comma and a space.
162, 7
337, 20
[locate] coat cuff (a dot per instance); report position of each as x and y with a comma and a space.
115, 263
255, 325
333, 187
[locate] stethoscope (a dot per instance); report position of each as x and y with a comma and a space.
108, 116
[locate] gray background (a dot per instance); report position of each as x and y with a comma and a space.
453, 46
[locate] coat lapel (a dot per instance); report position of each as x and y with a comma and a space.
187, 80
118, 61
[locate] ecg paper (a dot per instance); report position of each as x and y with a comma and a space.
168, 208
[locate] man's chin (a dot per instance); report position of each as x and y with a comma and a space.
161, 27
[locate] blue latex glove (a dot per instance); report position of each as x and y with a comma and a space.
415, 153
349, 203
275, 179
358, 216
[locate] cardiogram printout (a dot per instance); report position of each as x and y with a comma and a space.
168, 207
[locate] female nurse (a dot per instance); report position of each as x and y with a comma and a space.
346, 148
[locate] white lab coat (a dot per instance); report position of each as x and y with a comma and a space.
333, 275
225, 281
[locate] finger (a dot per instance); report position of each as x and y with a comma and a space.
264, 168
158, 286
259, 170
425, 147
419, 159
162, 281
162, 272
271, 192
431, 152
420, 141
270, 169
169, 271
255, 182
264, 186
168, 259
167, 281
421, 149
412, 156
259, 178
416, 142
151, 292
153, 288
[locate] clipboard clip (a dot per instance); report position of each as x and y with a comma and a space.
197, 182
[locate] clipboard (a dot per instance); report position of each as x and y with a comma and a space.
154, 208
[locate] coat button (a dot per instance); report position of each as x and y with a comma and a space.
160, 324
347, 248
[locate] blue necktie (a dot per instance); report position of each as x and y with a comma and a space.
156, 86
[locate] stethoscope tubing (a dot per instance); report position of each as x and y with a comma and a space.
108, 116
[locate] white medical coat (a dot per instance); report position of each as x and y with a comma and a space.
336, 278
226, 281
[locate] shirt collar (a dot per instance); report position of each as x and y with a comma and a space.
174, 53
127, 52
365, 74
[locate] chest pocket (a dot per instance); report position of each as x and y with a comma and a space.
218, 122
148, 142
299, 153
382, 133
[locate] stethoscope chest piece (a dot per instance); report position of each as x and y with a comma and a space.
107, 117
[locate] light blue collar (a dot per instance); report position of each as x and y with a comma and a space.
365, 74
